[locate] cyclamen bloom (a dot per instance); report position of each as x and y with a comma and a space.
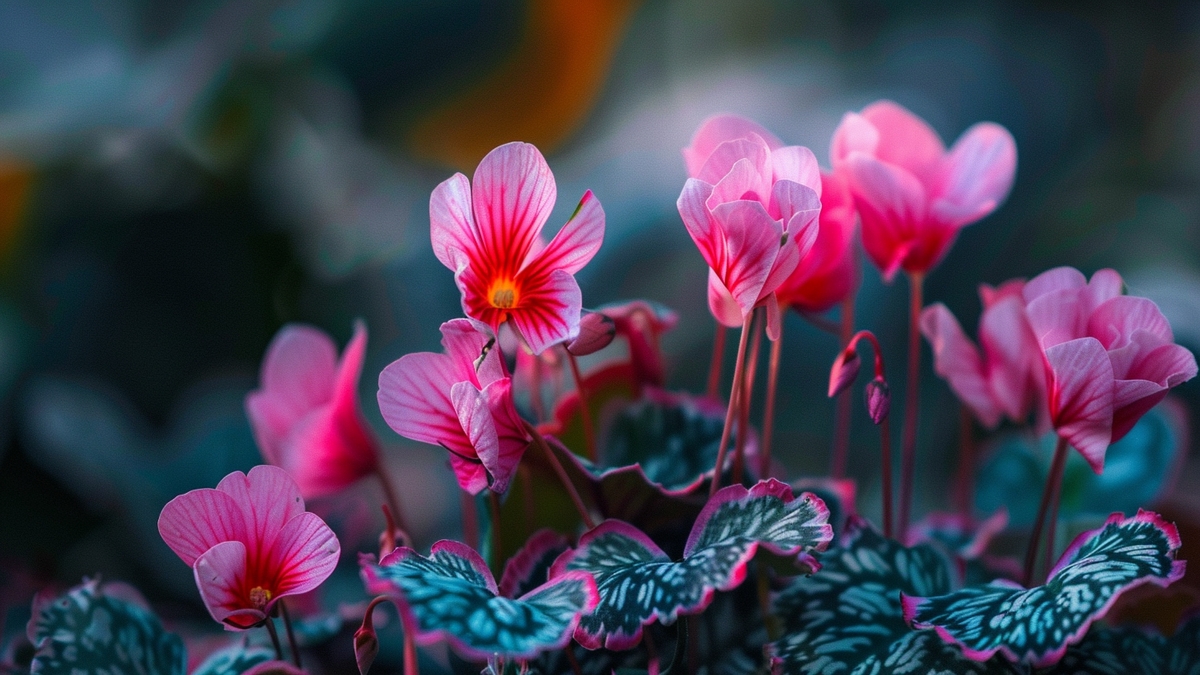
826, 274
306, 415
912, 195
1005, 378
250, 543
488, 232
460, 400
751, 207
1109, 358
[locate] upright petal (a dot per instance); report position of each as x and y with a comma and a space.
194, 522
512, 439
1057, 279
742, 181
1081, 397
905, 140
513, 193
221, 575
549, 310
1011, 355
752, 242
328, 451
716, 130
452, 228
1114, 322
304, 556
575, 243
976, 176
957, 360
1056, 317
268, 497
797, 164
704, 230
296, 376
465, 342
854, 134
752, 148
891, 202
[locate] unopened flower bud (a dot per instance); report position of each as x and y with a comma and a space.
366, 646
596, 331
879, 399
845, 369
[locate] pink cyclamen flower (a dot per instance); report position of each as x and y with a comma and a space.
306, 415
1108, 357
826, 274
460, 400
488, 232
1005, 378
912, 195
751, 206
250, 543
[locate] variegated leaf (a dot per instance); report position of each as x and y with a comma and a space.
1035, 626
451, 595
102, 629
1128, 650
639, 583
235, 660
530, 566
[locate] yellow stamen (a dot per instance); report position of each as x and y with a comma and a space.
259, 597
503, 294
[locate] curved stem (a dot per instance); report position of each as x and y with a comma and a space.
410, 655
291, 635
841, 437
737, 378
1055, 478
764, 460
1051, 525
744, 396
389, 494
912, 390
274, 638
718, 358
470, 519
585, 413
885, 448
562, 475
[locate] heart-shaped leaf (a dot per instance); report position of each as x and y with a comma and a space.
102, 629
452, 595
530, 567
966, 540
847, 617
639, 583
235, 659
1035, 626
1128, 650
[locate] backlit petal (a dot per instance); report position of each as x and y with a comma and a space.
704, 230
976, 176
549, 310
194, 522
854, 134
891, 203
797, 164
957, 360
304, 555
905, 140
1082, 396
512, 194
268, 498
752, 148
576, 242
722, 305
414, 398
716, 130
221, 576
752, 242
296, 376
471, 406
452, 228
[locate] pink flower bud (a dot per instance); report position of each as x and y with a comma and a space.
366, 645
845, 369
879, 399
596, 331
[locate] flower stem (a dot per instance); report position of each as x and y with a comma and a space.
1056, 472
1051, 523
964, 482
389, 494
291, 635
841, 436
764, 460
494, 503
274, 638
562, 475
739, 460
410, 655
885, 448
912, 388
737, 379
470, 519
585, 413
718, 357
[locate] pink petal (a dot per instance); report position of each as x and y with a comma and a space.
470, 473
221, 576
797, 164
1081, 396
957, 360
752, 242
576, 242
704, 230
513, 193
1057, 279
268, 498
976, 176
549, 310
802, 234
1115, 321
510, 433
596, 331
296, 376
1104, 285
452, 226
853, 134
752, 148
742, 181
891, 203
464, 341
774, 318
326, 454
1010, 351
789, 199
304, 555
471, 406
989, 296
716, 130
905, 140
414, 398
194, 522
1055, 317
722, 305
1148, 381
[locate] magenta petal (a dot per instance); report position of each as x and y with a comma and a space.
742, 181
1081, 396
798, 164
296, 376
693, 209
1057, 279
414, 398
905, 140
194, 522
752, 240
853, 134
576, 242
549, 312
325, 453
512, 439
1115, 321
452, 226
268, 497
722, 305
304, 555
476, 419
512, 194
221, 577
464, 341
976, 175
1011, 353
470, 474
891, 203
715, 131
957, 360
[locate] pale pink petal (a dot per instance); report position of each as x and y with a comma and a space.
751, 148
268, 498
465, 341
1056, 317
452, 226
989, 296
1169, 366
905, 140
802, 234
1011, 354
296, 376
716, 130
891, 203
1057, 279
471, 406
470, 473
976, 176
271, 419
789, 199
752, 240
742, 181
576, 242
797, 164
304, 555
1114, 322
512, 439
774, 318
853, 134
693, 209
221, 576
722, 305
957, 360
194, 522
414, 398
549, 311
512, 194
1105, 285
1081, 397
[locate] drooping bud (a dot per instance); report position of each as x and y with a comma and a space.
879, 399
845, 369
596, 331
366, 643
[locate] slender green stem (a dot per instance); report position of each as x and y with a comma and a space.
718, 358
291, 635
912, 389
725, 431
585, 413
562, 475
1055, 478
764, 460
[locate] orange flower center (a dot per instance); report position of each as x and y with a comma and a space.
259, 597
503, 294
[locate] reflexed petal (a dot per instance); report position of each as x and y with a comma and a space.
693, 209
512, 194
1081, 396
1057, 279
853, 134
905, 140
1055, 317
789, 199
752, 240
470, 473
268, 497
304, 555
1011, 354
464, 341
722, 305
296, 376
1114, 322
549, 310
576, 242
976, 176
325, 453
797, 164
751, 148
512, 440
194, 522
476, 419
957, 360
452, 226
1148, 381
715, 131
414, 398
221, 578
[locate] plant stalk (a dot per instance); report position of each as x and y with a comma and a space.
291, 635
1055, 478
737, 379
718, 358
764, 460
470, 519
562, 476
912, 391
841, 436
389, 493
585, 413
274, 638
744, 396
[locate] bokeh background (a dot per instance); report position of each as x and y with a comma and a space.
178, 180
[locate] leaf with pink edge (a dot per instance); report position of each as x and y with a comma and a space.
102, 629
452, 595
235, 659
640, 584
1035, 626
1126, 650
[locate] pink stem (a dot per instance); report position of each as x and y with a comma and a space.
718, 357
764, 461
725, 431
841, 437
964, 482
410, 655
562, 476
470, 519
885, 447
747, 391
912, 390
585, 413
1056, 472
1051, 523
